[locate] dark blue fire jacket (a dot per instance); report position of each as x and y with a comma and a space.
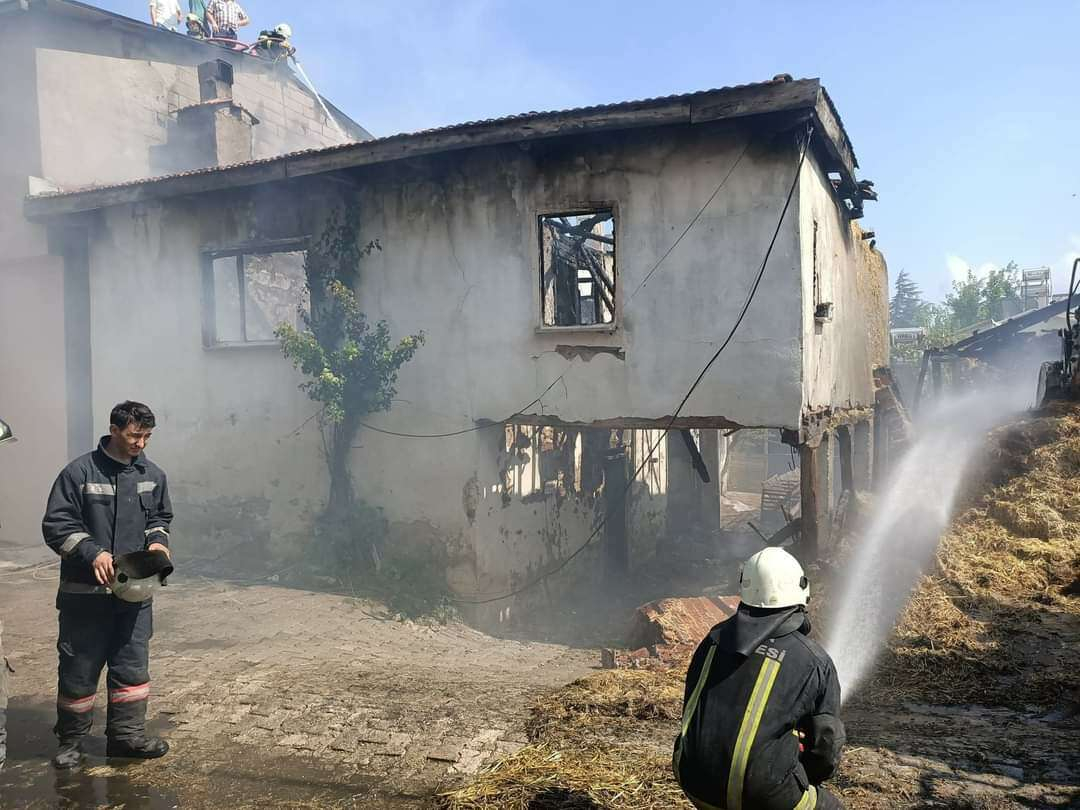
98, 504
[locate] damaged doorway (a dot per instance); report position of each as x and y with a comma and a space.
760, 482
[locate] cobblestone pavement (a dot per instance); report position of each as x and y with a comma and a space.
271, 696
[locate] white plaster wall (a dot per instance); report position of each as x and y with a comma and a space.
839, 354
225, 416
32, 384
32, 394
458, 262
106, 96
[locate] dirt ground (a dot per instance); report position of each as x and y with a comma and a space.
272, 697
282, 697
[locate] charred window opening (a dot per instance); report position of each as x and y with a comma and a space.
577, 268
541, 461
648, 451
248, 293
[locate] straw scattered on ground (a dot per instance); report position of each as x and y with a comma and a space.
997, 621
603, 741
546, 777
607, 699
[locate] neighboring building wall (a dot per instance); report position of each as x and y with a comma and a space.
32, 381
33, 396
114, 94
243, 479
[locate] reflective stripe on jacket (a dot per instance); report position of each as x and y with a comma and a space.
738, 746
98, 504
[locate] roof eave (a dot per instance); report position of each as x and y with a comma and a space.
727, 104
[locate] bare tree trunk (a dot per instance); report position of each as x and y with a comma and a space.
341, 491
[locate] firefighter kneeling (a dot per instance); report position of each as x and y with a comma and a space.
760, 726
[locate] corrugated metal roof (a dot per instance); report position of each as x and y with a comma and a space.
405, 136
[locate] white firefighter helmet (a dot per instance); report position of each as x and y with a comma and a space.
137, 575
283, 30
6, 436
772, 578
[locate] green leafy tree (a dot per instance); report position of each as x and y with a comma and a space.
966, 302
1001, 288
351, 365
937, 320
906, 302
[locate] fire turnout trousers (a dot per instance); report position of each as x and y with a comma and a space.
815, 798
98, 630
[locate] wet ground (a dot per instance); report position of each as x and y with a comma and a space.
274, 697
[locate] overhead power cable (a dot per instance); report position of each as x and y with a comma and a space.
692, 222
731, 334
655, 267
511, 417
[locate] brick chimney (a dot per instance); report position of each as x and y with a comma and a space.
214, 132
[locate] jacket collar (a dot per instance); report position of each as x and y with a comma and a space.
744, 631
139, 462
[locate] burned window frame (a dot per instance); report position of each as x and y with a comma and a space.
575, 209
210, 254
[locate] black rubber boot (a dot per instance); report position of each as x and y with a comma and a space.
69, 756
71, 728
126, 733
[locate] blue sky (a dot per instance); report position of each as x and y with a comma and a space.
965, 114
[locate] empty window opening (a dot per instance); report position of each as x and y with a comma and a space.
541, 460
648, 451
577, 268
249, 294
759, 481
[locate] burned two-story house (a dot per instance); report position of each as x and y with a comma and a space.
573, 272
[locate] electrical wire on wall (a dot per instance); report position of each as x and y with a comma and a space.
671, 421
521, 411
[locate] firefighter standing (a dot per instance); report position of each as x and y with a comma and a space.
110, 502
760, 727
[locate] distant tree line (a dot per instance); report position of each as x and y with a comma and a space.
972, 300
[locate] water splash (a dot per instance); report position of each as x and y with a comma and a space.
326, 111
910, 517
